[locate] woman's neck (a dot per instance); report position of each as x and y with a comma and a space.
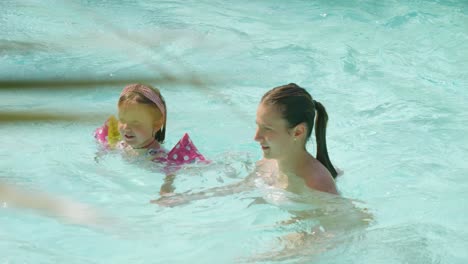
294, 162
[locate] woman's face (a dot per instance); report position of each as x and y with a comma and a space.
272, 133
138, 123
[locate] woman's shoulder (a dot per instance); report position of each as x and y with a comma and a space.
319, 178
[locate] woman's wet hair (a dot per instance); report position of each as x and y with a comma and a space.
297, 106
141, 99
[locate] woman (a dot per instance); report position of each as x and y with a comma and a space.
285, 120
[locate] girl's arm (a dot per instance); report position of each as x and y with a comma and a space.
168, 187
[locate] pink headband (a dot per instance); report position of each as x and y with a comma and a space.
146, 92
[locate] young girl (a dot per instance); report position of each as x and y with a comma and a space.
142, 120
142, 116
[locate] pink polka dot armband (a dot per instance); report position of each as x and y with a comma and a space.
108, 134
184, 152
100, 134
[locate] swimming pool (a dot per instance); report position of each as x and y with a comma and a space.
392, 76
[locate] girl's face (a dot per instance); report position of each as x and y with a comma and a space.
273, 133
138, 124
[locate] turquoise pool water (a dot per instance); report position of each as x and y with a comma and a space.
392, 76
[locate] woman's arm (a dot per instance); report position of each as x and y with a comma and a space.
244, 185
183, 198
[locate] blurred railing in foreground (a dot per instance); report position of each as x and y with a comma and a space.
74, 84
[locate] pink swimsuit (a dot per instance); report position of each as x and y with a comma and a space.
184, 152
